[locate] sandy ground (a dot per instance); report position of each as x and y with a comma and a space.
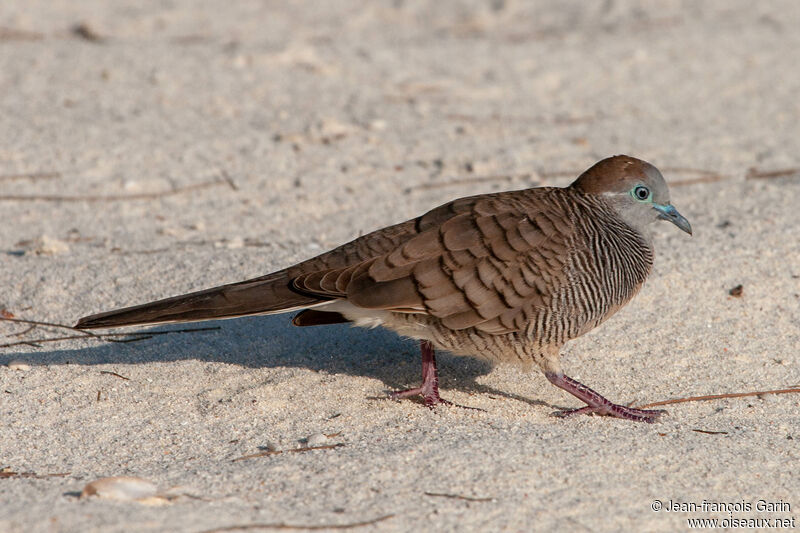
202, 142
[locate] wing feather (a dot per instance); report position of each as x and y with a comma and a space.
485, 262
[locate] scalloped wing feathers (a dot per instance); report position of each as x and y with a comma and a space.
485, 262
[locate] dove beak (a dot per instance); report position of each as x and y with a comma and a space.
668, 212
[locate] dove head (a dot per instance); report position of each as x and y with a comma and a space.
635, 188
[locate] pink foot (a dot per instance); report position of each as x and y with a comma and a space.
430, 380
597, 404
431, 398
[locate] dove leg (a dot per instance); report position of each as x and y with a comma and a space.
430, 379
597, 404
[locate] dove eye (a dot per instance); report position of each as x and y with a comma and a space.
641, 193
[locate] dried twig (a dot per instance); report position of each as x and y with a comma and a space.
23, 332
795, 389
110, 373
459, 497
29, 343
85, 334
227, 179
316, 527
120, 251
291, 450
707, 432
112, 197
104, 336
13, 34
109, 337
48, 324
755, 174
34, 475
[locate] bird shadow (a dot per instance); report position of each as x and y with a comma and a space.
272, 342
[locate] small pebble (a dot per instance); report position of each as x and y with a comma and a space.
377, 125
272, 446
123, 488
235, 243
131, 185
317, 439
332, 128
19, 365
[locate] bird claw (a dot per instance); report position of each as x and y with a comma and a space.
431, 400
616, 411
596, 404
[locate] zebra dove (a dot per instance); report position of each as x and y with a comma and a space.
508, 276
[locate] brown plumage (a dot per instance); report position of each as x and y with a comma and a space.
508, 276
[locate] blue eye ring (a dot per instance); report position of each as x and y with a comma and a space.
641, 193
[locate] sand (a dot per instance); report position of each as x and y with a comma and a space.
197, 143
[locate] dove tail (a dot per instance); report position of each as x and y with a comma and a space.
265, 295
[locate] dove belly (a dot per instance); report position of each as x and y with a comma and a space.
509, 348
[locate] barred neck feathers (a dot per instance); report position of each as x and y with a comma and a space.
619, 248
611, 261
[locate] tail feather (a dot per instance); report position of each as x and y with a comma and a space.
264, 295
